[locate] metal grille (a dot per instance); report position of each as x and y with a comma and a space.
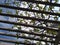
31, 18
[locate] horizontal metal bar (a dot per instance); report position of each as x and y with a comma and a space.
40, 27
31, 18
14, 41
24, 37
41, 2
21, 31
26, 9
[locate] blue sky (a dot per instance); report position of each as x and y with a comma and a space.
7, 25
6, 18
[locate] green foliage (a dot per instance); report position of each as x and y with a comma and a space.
30, 6
0, 10
40, 7
52, 32
59, 26
38, 43
36, 30
56, 1
6, 3
43, 16
51, 7
16, 12
8, 12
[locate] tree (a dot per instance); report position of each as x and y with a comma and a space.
37, 23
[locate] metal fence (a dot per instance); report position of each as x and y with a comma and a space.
56, 42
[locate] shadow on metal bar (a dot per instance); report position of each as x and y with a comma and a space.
30, 18
16, 42
32, 33
24, 37
25, 9
41, 2
40, 27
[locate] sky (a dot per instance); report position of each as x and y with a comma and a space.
7, 19
5, 25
